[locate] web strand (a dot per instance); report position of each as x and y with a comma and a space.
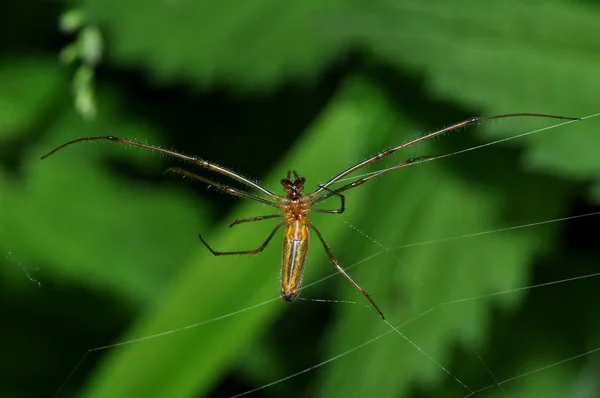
487, 368
358, 347
439, 365
590, 352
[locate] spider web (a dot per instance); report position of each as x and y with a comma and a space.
399, 329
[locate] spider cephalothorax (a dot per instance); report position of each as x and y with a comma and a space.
293, 190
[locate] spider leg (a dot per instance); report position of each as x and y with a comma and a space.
456, 126
200, 162
338, 211
343, 272
221, 187
253, 251
375, 175
252, 219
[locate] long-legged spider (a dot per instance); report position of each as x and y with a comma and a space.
295, 206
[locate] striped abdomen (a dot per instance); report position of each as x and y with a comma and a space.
295, 248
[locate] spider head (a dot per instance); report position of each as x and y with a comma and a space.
294, 189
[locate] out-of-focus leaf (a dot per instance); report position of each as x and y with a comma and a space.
94, 228
502, 57
252, 44
27, 86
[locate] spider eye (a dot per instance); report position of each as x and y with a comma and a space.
299, 183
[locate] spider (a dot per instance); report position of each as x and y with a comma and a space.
295, 206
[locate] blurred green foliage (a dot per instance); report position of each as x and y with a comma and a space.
97, 247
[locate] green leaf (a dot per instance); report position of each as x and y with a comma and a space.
253, 44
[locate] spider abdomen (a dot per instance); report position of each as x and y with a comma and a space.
295, 248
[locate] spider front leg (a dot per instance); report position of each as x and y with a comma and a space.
253, 251
338, 211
